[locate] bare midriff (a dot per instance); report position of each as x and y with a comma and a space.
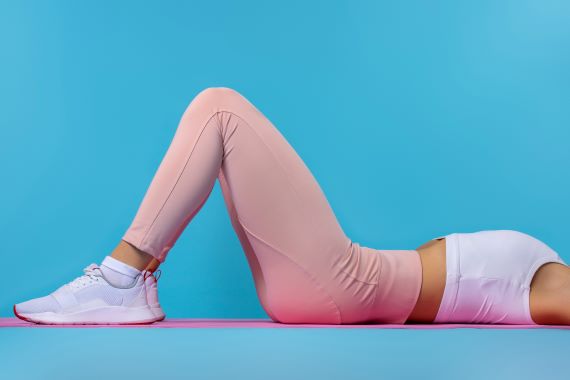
432, 255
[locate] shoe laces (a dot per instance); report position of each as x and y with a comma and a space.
92, 274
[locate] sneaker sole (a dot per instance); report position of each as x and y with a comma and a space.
158, 313
112, 315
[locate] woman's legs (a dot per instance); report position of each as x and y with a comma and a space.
286, 226
306, 270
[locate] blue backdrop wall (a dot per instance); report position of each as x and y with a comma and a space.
417, 118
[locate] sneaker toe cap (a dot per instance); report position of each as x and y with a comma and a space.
38, 305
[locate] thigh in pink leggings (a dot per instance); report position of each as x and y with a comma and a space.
305, 269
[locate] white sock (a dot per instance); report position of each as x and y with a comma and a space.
118, 273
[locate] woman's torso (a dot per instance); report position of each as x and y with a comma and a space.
432, 255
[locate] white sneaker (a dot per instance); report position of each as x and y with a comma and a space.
152, 293
89, 299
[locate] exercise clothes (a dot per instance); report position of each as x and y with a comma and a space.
489, 275
305, 269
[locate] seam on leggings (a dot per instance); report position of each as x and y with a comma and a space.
291, 184
359, 280
349, 257
298, 265
268, 147
178, 177
373, 308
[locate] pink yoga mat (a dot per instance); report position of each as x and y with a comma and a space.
266, 323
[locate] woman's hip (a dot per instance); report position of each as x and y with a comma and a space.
488, 276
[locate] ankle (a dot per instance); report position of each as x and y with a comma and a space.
132, 256
118, 273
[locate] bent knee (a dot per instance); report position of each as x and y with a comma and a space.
218, 93
217, 98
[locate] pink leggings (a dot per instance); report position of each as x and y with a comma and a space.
305, 269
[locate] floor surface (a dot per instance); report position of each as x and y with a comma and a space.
258, 349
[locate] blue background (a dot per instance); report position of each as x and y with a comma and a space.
417, 118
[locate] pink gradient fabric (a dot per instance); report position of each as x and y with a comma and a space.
305, 269
266, 323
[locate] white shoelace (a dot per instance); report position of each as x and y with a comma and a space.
92, 273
